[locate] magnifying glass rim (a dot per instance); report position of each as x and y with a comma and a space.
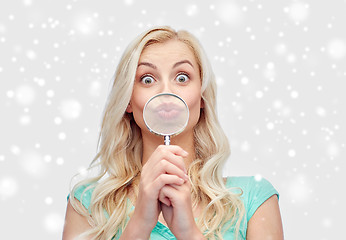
161, 134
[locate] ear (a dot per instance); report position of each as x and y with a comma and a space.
129, 108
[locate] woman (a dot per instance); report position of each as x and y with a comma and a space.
147, 190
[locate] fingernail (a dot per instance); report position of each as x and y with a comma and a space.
186, 153
186, 177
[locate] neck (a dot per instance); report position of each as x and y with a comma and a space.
184, 140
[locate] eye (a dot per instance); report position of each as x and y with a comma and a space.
182, 78
147, 79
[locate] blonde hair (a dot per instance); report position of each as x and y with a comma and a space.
120, 151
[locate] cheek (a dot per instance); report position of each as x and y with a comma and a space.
139, 99
137, 105
194, 104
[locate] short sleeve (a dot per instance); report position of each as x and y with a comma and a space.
255, 192
261, 190
83, 194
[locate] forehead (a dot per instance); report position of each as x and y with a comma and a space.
172, 49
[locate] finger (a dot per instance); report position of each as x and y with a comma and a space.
173, 154
166, 167
169, 192
177, 150
176, 160
165, 179
176, 193
165, 200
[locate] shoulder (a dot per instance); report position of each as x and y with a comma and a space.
254, 191
83, 193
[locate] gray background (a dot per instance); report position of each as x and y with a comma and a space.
280, 68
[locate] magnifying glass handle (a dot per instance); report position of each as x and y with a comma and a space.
167, 140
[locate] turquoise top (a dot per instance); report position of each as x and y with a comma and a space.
255, 192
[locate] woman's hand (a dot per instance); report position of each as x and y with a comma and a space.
164, 167
178, 213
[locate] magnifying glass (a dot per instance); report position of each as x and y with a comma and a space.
166, 114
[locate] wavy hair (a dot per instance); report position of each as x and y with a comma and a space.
120, 152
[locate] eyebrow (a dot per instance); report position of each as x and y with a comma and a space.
182, 62
174, 66
147, 64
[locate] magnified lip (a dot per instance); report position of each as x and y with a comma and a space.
168, 107
168, 111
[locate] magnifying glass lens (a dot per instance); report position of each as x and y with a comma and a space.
166, 114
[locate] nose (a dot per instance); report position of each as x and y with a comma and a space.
166, 86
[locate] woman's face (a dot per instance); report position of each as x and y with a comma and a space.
168, 67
